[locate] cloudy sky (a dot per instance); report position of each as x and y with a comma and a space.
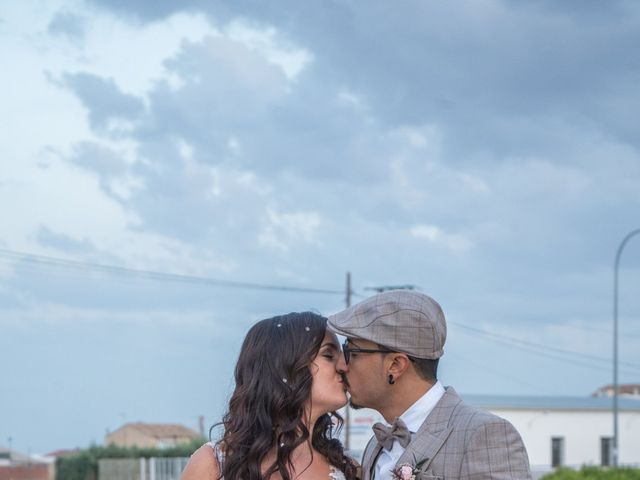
483, 151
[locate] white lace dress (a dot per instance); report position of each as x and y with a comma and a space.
334, 473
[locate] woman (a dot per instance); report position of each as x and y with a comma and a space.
279, 423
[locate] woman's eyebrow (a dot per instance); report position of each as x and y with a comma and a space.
330, 345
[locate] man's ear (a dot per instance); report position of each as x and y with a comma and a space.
399, 363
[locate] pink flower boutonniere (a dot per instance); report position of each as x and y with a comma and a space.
407, 471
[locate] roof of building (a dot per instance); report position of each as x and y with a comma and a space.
15, 457
63, 452
550, 402
162, 430
623, 388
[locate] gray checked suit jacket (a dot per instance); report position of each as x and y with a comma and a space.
457, 441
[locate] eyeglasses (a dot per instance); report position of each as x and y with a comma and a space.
347, 351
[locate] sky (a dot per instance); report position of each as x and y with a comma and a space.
482, 151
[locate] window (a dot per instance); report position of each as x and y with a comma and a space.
557, 451
606, 450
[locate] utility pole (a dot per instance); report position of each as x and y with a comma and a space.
616, 267
348, 293
347, 416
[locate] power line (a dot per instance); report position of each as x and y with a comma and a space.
514, 378
55, 262
47, 261
538, 345
556, 323
548, 351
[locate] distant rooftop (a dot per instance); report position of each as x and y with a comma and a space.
162, 430
14, 456
549, 402
624, 389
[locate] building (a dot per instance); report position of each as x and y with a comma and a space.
631, 390
569, 431
151, 435
19, 466
557, 431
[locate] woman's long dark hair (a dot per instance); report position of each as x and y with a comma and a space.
267, 407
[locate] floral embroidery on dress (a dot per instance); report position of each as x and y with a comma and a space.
336, 474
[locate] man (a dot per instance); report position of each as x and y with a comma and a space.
393, 343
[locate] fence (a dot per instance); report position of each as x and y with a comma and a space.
155, 468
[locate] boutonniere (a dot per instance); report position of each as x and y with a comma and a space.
407, 471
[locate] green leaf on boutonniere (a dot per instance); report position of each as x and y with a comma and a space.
421, 463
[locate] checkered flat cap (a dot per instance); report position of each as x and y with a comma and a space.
401, 320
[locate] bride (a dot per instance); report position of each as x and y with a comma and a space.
280, 419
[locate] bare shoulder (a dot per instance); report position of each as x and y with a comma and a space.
202, 465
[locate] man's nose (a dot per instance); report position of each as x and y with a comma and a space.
342, 366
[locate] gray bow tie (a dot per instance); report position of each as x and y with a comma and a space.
387, 435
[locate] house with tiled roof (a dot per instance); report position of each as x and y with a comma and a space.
151, 435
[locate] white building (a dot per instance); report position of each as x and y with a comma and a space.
557, 431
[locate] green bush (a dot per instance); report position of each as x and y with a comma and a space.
84, 464
594, 473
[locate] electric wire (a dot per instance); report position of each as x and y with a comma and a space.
40, 261
47, 261
540, 350
538, 345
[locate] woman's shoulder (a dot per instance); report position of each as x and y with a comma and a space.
203, 464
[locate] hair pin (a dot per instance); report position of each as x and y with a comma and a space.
307, 328
284, 380
279, 325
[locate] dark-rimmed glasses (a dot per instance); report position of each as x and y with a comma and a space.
346, 350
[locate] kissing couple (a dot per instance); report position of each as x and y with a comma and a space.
292, 375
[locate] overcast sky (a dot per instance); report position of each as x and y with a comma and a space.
486, 151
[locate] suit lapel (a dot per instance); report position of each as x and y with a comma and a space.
369, 462
432, 434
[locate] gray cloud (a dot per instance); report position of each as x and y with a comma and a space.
64, 243
104, 100
311, 148
67, 24
475, 69
450, 159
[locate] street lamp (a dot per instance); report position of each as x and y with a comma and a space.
615, 344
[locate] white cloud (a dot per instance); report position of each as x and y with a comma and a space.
434, 234
284, 230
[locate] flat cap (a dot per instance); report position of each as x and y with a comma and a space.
401, 320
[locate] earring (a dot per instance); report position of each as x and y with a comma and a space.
391, 380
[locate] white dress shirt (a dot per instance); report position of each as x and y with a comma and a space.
414, 416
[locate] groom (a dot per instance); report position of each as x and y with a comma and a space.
393, 343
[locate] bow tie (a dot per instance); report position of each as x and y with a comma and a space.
387, 435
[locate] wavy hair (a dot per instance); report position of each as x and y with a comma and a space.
267, 407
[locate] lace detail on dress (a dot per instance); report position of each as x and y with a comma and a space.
334, 473
217, 451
